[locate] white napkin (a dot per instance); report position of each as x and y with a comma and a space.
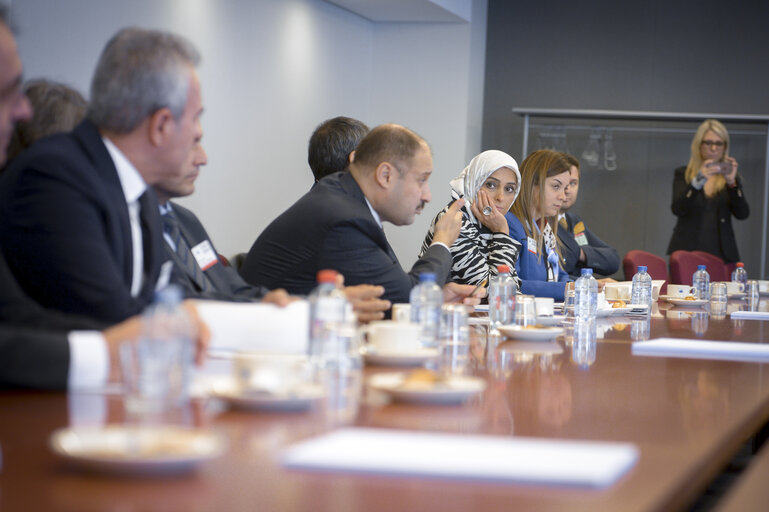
750, 315
516, 459
256, 327
699, 349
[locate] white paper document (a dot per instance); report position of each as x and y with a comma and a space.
701, 349
750, 315
507, 459
256, 327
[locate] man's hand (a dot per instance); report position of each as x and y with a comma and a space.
129, 330
279, 297
366, 302
448, 226
460, 293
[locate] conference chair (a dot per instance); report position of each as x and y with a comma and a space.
683, 264
655, 266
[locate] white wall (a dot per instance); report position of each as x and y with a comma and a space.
272, 70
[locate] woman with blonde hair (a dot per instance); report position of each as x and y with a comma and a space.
706, 193
490, 185
532, 222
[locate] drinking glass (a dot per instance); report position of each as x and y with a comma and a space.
454, 339
718, 294
568, 299
751, 291
525, 312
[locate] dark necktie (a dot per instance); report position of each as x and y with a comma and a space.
182, 249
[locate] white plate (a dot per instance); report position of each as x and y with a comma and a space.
453, 390
411, 358
531, 334
136, 449
696, 303
551, 321
298, 399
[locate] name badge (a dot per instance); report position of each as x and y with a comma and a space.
532, 246
581, 239
205, 255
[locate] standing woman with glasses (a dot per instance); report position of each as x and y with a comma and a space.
706, 193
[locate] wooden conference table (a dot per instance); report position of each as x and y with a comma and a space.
688, 417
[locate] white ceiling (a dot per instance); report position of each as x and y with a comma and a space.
435, 11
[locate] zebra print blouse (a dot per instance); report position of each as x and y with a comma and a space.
477, 251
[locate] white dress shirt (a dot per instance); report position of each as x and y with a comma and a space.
133, 186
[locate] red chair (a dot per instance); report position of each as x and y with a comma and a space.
683, 264
655, 265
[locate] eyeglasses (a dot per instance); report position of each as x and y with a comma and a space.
711, 143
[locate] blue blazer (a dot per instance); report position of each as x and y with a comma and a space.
331, 226
532, 270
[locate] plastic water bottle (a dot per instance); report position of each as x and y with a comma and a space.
586, 296
335, 349
426, 300
642, 288
158, 367
328, 310
740, 275
701, 282
502, 291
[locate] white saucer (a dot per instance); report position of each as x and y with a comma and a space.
736, 296
551, 321
482, 307
530, 334
696, 303
136, 449
411, 358
453, 390
298, 399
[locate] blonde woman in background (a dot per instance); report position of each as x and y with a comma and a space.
706, 193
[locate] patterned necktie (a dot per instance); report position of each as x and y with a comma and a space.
182, 249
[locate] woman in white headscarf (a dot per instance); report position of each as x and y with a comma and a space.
490, 185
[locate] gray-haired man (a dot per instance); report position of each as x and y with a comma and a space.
81, 228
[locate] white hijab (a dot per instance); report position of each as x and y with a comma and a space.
472, 177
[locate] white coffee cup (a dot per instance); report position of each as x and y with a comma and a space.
733, 288
544, 306
275, 373
618, 291
388, 337
763, 286
681, 291
401, 312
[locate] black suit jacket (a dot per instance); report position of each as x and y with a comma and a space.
689, 205
599, 256
66, 232
227, 283
332, 227
34, 351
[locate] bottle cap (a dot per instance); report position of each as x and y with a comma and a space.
426, 276
701, 267
171, 294
587, 271
503, 269
327, 276
740, 264
642, 268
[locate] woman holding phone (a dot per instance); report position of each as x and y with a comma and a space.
706, 193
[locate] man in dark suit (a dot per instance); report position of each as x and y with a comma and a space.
338, 223
579, 246
197, 267
81, 229
38, 347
